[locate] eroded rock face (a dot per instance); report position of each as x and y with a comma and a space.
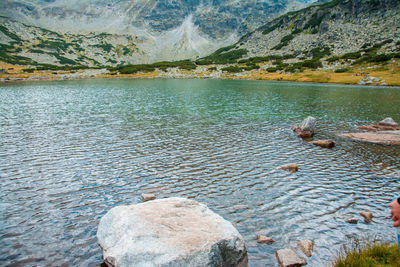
306, 128
169, 232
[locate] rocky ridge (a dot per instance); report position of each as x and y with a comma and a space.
164, 30
341, 25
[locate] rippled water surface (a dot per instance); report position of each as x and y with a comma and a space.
70, 151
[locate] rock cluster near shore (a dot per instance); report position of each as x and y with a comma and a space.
387, 124
386, 131
169, 232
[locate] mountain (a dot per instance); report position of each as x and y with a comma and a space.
340, 26
159, 29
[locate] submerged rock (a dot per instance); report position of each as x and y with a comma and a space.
288, 258
306, 129
148, 197
169, 232
381, 137
264, 239
352, 220
324, 143
290, 167
367, 216
306, 246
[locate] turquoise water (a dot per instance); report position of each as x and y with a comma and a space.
72, 150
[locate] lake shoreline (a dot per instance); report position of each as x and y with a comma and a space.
381, 78
144, 76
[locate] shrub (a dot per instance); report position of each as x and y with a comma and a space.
28, 70
270, 29
284, 42
57, 45
380, 58
232, 69
369, 255
272, 69
342, 70
314, 22
320, 52
333, 59
222, 56
312, 64
297, 31
9, 34
351, 55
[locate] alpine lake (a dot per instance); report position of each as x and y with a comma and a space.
72, 150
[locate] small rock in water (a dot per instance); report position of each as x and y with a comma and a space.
388, 122
288, 258
264, 240
324, 143
306, 246
367, 216
290, 167
240, 207
352, 220
148, 197
306, 128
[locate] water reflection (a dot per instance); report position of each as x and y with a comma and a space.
70, 151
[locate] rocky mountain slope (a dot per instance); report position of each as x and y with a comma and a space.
161, 29
343, 26
335, 35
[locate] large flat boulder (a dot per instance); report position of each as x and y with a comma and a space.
379, 137
169, 232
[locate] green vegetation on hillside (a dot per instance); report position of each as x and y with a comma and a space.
9, 34
223, 55
131, 69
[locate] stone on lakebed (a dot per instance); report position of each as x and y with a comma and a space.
290, 167
324, 143
288, 258
367, 216
169, 232
148, 197
306, 246
262, 239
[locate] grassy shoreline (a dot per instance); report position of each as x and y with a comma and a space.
388, 75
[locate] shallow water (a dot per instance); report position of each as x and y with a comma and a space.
70, 151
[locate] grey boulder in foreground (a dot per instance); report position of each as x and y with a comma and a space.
169, 232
